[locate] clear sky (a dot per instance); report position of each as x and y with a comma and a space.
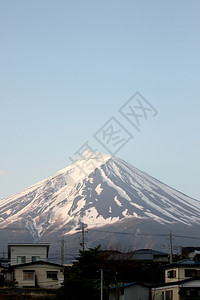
67, 67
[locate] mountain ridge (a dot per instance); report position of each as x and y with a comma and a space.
98, 191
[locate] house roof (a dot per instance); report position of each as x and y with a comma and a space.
38, 262
184, 263
155, 252
47, 245
129, 284
175, 282
140, 254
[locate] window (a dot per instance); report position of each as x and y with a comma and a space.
52, 275
28, 275
190, 273
169, 295
21, 259
190, 293
187, 293
171, 274
35, 258
162, 296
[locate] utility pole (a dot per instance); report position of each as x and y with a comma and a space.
62, 250
101, 284
171, 253
82, 231
83, 237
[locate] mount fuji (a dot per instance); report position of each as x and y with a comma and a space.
106, 194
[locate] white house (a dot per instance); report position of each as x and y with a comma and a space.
25, 253
181, 282
39, 274
129, 291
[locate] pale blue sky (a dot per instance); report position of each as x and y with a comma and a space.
66, 67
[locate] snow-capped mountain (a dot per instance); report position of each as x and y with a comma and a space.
99, 191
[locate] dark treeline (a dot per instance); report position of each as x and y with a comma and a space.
83, 279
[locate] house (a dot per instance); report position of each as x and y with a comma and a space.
191, 252
187, 289
150, 255
140, 255
129, 291
181, 270
39, 274
29, 266
182, 281
25, 253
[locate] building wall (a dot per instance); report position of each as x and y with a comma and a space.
143, 256
161, 258
157, 293
18, 276
174, 278
40, 275
180, 273
28, 252
135, 292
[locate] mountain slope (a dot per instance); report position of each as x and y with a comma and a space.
97, 191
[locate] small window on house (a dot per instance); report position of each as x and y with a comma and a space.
21, 259
122, 291
162, 296
28, 275
190, 273
52, 275
169, 295
171, 274
35, 258
187, 293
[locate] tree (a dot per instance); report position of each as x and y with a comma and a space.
82, 280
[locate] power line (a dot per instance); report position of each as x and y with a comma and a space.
144, 234
188, 237
128, 233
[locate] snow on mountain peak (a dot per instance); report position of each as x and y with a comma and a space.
97, 189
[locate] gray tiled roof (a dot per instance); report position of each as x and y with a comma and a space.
184, 262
